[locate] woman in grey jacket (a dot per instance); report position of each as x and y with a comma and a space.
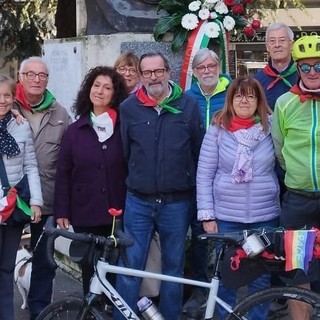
17, 150
237, 187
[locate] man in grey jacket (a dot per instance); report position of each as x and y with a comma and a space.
48, 121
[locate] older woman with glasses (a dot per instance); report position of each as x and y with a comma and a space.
237, 187
19, 159
127, 65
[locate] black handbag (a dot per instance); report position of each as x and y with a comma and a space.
18, 216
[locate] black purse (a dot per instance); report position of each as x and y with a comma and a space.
18, 216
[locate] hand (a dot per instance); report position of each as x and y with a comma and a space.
63, 223
210, 226
19, 118
36, 214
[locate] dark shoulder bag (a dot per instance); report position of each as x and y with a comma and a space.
18, 216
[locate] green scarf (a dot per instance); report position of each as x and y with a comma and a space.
46, 103
149, 102
280, 76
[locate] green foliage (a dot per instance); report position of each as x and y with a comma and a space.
24, 25
172, 12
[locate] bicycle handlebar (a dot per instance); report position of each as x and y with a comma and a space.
120, 239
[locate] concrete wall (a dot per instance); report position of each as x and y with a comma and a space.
70, 59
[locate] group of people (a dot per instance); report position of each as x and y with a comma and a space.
211, 159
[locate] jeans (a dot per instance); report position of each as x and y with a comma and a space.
263, 282
42, 274
171, 220
9, 242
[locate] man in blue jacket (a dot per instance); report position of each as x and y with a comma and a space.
280, 74
209, 90
162, 132
211, 86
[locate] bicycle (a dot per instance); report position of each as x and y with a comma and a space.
93, 306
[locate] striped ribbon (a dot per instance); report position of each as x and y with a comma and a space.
198, 40
298, 246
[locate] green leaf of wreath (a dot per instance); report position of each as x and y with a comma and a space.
165, 24
240, 21
173, 6
179, 39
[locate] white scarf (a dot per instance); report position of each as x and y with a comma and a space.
247, 140
103, 126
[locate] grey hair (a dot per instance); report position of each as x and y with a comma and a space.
277, 26
203, 54
32, 59
155, 54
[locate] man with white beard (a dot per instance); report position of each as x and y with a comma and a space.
209, 90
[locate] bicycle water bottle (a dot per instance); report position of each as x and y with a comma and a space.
148, 309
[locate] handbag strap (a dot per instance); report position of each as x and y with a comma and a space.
4, 177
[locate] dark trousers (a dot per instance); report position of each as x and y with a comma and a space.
199, 251
9, 242
302, 210
42, 274
87, 267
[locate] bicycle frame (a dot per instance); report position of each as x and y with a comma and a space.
99, 285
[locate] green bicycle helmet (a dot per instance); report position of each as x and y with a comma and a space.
306, 47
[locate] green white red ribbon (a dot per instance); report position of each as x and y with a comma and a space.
198, 40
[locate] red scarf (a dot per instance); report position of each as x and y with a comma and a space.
113, 115
147, 101
238, 123
21, 98
304, 96
281, 76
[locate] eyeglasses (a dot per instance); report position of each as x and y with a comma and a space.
239, 97
123, 70
148, 73
306, 68
32, 75
280, 42
210, 67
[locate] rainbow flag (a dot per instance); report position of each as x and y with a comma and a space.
298, 245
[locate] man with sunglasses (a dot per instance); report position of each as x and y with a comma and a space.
296, 131
162, 132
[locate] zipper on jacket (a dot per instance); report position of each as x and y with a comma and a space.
314, 128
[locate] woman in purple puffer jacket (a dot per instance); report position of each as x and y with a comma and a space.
237, 187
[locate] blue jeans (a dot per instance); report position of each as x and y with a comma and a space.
42, 274
171, 220
263, 282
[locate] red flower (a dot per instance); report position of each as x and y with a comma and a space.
248, 31
229, 2
246, 1
255, 24
114, 212
237, 9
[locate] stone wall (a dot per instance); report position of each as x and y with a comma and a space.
70, 59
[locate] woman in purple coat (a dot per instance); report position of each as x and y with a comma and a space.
237, 187
91, 170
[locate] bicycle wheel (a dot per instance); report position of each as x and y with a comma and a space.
68, 310
279, 295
